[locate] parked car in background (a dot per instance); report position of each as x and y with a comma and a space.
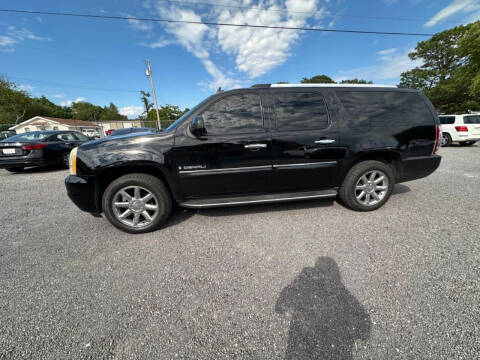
268, 143
38, 148
463, 129
133, 130
6, 134
109, 132
91, 133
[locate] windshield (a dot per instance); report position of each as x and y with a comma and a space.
184, 116
29, 136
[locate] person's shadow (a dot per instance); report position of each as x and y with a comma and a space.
326, 317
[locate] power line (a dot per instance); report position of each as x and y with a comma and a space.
212, 23
86, 87
289, 11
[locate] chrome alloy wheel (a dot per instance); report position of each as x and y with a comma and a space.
135, 206
371, 188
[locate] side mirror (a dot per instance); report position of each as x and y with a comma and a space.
197, 127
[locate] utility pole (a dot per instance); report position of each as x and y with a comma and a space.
148, 72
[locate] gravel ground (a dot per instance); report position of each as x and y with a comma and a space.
304, 280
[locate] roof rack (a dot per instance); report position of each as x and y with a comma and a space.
261, 86
332, 85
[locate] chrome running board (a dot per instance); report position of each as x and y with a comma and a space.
258, 199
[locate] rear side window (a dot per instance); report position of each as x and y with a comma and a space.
80, 136
447, 120
65, 137
234, 114
300, 111
386, 108
471, 119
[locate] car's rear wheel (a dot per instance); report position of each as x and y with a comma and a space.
137, 203
467, 143
15, 169
446, 139
367, 186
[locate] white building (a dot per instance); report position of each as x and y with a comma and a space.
48, 123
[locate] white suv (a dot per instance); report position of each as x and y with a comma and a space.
464, 129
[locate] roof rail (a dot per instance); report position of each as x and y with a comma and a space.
261, 86
333, 85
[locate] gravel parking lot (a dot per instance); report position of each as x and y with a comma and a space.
309, 280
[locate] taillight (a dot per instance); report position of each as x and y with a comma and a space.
437, 139
33, 147
461, 128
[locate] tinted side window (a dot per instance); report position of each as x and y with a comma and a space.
447, 120
65, 137
235, 114
471, 119
80, 136
385, 108
300, 111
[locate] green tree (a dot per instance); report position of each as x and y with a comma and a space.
147, 105
14, 103
450, 69
321, 79
355, 81
168, 114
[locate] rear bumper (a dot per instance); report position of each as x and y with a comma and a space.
82, 190
10, 163
418, 167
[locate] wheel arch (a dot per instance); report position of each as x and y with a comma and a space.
391, 157
106, 176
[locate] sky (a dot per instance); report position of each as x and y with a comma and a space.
71, 59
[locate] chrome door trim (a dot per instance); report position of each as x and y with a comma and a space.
225, 171
312, 165
255, 146
325, 141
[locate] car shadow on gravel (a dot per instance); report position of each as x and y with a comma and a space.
39, 170
326, 319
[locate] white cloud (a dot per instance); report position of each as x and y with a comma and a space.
15, 35
26, 87
139, 25
157, 44
391, 64
255, 51
132, 112
457, 6
57, 96
70, 102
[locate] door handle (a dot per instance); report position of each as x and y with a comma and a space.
255, 146
324, 141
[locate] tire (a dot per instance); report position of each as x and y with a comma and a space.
66, 159
15, 169
349, 193
146, 184
446, 140
467, 143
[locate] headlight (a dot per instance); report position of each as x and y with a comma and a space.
72, 162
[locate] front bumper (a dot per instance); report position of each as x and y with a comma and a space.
82, 190
418, 167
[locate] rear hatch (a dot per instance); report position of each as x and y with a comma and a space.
473, 123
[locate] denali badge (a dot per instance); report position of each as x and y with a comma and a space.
192, 167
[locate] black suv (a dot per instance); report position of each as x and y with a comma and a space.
264, 144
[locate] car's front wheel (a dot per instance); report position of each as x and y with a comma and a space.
137, 203
367, 186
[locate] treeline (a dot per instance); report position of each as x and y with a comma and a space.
450, 74
16, 105
324, 79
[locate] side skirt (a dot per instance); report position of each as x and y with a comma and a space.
258, 199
